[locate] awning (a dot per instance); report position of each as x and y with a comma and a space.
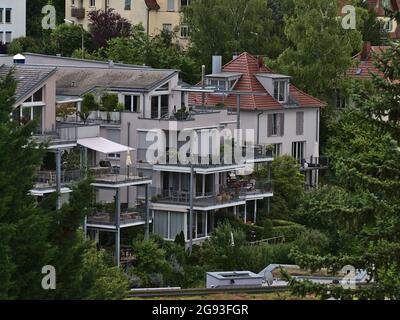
103, 145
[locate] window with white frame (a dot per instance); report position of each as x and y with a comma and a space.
218, 84
277, 151
132, 103
171, 5
1, 15
92, 3
114, 156
185, 32
280, 90
298, 150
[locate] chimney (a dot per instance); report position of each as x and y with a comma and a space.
365, 51
260, 62
235, 55
216, 64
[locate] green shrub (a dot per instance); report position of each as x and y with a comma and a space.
291, 233
268, 229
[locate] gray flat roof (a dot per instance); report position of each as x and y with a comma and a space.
225, 75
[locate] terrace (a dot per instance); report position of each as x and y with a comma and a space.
108, 176
104, 217
231, 194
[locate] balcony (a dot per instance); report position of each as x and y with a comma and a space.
231, 194
78, 13
115, 177
104, 217
46, 181
314, 163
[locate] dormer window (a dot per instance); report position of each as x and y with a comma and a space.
280, 90
218, 84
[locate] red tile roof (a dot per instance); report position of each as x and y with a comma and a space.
365, 66
249, 66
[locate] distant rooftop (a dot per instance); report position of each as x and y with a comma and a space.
76, 81
28, 77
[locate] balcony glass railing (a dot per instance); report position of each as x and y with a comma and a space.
224, 193
116, 175
46, 179
106, 216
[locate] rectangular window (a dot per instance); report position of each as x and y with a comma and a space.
128, 4
92, 3
220, 85
164, 106
201, 224
114, 156
1, 15
185, 32
8, 15
171, 5
167, 27
280, 91
8, 37
154, 107
298, 150
1, 37
299, 123
184, 3
276, 125
132, 103
277, 152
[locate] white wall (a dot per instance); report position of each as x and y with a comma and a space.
311, 128
18, 19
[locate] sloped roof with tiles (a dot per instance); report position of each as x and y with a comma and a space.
365, 63
250, 67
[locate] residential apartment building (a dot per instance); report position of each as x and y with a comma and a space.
12, 21
154, 15
282, 116
164, 196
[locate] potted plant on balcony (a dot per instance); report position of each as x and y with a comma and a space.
109, 104
269, 150
87, 106
182, 113
220, 105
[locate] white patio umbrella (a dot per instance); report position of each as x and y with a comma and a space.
128, 161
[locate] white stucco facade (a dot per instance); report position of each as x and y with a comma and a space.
310, 136
12, 20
